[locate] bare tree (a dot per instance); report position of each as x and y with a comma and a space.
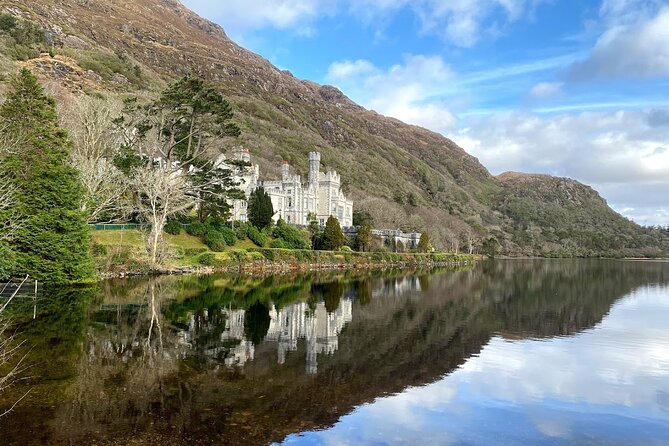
164, 194
96, 143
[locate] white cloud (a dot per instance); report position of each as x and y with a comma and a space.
545, 90
634, 45
404, 91
344, 70
460, 22
624, 154
240, 16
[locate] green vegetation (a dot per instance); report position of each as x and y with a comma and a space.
364, 237
22, 39
333, 238
260, 209
290, 237
424, 244
108, 64
52, 239
554, 217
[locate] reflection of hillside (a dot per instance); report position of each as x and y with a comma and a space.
375, 340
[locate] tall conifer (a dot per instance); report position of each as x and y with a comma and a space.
52, 242
333, 237
260, 210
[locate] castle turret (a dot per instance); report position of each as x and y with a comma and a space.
285, 171
314, 168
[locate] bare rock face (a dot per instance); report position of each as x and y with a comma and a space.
119, 79
66, 72
75, 43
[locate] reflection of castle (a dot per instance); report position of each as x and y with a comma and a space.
318, 328
397, 287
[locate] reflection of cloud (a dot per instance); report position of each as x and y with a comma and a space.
610, 383
550, 425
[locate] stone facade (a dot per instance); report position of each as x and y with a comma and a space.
293, 200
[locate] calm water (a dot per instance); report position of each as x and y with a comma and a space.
506, 353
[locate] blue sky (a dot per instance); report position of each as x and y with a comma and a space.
576, 88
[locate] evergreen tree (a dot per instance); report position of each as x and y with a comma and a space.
424, 244
260, 209
333, 238
364, 237
52, 242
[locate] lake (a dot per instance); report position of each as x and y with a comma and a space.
507, 352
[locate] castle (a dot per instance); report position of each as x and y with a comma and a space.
294, 202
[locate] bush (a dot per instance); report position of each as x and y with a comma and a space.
292, 237
24, 39
189, 252
256, 236
241, 229
238, 255
346, 249
196, 229
207, 259
278, 244
98, 250
214, 240
228, 235
173, 227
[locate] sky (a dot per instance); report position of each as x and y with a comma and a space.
575, 88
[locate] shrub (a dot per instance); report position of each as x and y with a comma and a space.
256, 236
189, 252
173, 227
207, 259
197, 229
346, 249
278, 244
214, 240
98, 250
228, 235
292, 237
238, 255
241, 230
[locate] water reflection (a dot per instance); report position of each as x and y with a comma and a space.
606, 386
233, 360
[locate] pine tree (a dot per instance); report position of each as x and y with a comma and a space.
260, 209
52, 243
333, 238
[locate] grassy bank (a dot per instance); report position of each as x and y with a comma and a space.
123, 252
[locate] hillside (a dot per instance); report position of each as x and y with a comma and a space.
427, 182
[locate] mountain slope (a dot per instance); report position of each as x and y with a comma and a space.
384, 163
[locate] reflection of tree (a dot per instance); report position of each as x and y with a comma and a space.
257, 322
332, 296
363, 291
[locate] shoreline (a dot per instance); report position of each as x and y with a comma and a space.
279, 267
